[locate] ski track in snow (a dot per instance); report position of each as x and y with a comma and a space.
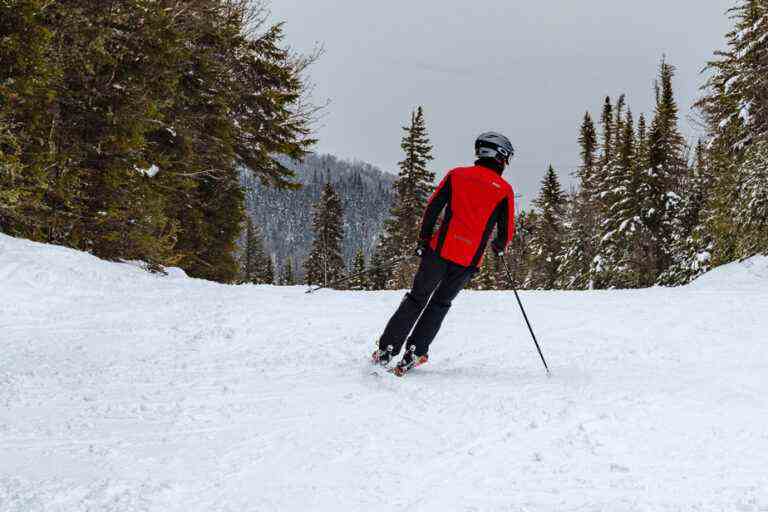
122, 391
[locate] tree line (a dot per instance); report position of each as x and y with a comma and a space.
649, 208
124, 125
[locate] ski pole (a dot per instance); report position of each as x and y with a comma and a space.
512, 283
349, 278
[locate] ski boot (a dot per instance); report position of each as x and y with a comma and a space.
409, 361
382, 357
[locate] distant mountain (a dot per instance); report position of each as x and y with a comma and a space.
285, 216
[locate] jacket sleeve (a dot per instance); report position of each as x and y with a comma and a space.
440, 197
505, 221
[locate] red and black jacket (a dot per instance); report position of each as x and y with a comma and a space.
476, 199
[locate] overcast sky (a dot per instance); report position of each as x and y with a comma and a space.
527, 69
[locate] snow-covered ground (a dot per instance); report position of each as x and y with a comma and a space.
125, 391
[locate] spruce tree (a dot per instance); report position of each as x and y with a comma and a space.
521, 252
691, 245
325, 263
360, 281
256, 265
547, 242
752, 204
269, 271
664, 171
412, 189
621, 262
736, 110
287, 277
377, 274
582, 216
129, 144
489, 277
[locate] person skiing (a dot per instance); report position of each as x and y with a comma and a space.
474, 200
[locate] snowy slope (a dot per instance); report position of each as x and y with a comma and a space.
122, 391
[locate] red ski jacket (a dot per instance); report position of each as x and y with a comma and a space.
476, 199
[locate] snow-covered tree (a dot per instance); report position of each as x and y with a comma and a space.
690, 246
413, 187
580, 223
736, 108
547, 242
752, 204
360, 281
325, 263
662, 174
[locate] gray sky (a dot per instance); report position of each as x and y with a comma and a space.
527, 69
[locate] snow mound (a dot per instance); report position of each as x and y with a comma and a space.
750, 274
30, 266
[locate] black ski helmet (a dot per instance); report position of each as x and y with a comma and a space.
494, 145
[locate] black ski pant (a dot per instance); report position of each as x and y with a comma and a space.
436, 284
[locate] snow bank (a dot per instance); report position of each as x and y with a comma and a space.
27, 266
750, 274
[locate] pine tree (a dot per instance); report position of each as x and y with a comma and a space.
256, 265
360, 281
129, 143
621, 262
269, 271
521, 251
691, 245
662, 176
607, 152
547, 243
326, 263
287, 277
736, 110
752, 205
412, 190
580, 223
489, 277
377, 274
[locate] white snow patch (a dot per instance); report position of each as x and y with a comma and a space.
748, 275
151, 171
123, 391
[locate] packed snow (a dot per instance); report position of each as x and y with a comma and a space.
125, 391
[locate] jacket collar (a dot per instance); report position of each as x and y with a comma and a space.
492, 164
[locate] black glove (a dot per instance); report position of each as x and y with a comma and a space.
422, 248
497, 248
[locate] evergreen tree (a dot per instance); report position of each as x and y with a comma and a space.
621, 262
325, 263
360, 282
269, 271
489, 277
521, 251
691, 246
377, 274
547, 242
412, 190
580, 223
736, 110
752, 205
287, 277
607, 153
663, 174
128, 144
256, 264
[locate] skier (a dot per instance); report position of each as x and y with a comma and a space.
475, 199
